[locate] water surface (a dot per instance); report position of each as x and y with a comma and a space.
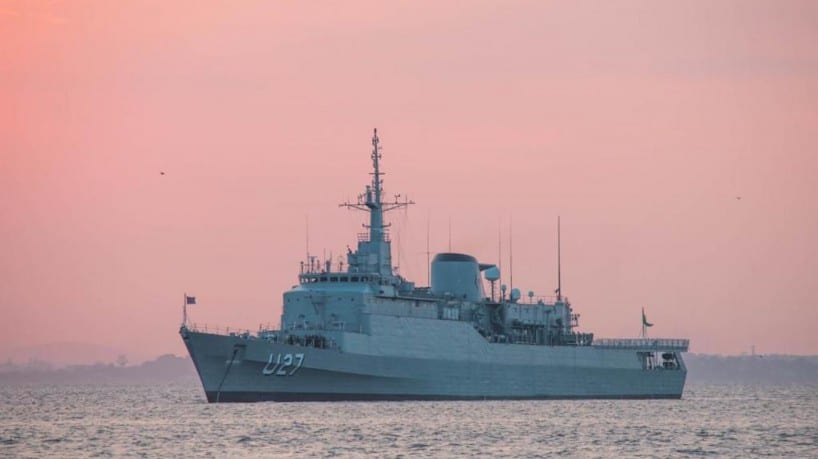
175, 420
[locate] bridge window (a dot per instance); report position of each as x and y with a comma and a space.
354, 278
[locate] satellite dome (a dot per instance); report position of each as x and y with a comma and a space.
492, 274
515, 294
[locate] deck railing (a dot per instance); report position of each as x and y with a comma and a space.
221, 330
268, 334
657, 344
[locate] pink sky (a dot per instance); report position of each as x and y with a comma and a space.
639, 123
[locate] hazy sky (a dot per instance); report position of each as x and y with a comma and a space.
639, 123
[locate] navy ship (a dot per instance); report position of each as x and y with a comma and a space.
360, 331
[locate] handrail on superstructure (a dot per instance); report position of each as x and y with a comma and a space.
217, 330
548, 300
319, 340
655, 344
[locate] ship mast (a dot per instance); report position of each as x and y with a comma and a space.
376, 228
371, 201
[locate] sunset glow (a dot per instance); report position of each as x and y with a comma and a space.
152, 149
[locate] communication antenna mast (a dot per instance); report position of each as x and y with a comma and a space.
559, 263
500, 248
307, 234
510, 257
450, 233
428, 262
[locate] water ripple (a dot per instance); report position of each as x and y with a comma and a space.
145, 421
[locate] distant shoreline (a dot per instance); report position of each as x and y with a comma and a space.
752, 369
164, 369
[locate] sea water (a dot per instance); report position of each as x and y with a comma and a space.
175, 421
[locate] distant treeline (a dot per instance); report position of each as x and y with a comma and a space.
702, 368
164, 369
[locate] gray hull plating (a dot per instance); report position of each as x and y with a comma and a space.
232, 368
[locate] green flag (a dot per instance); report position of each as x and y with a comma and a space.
645, 319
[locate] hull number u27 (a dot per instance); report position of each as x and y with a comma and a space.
283, 364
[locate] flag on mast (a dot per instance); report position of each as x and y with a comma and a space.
645, 322
188, 300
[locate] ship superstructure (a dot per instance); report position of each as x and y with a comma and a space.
360, 331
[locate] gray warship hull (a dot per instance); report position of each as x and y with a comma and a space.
424, 360
355, 329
